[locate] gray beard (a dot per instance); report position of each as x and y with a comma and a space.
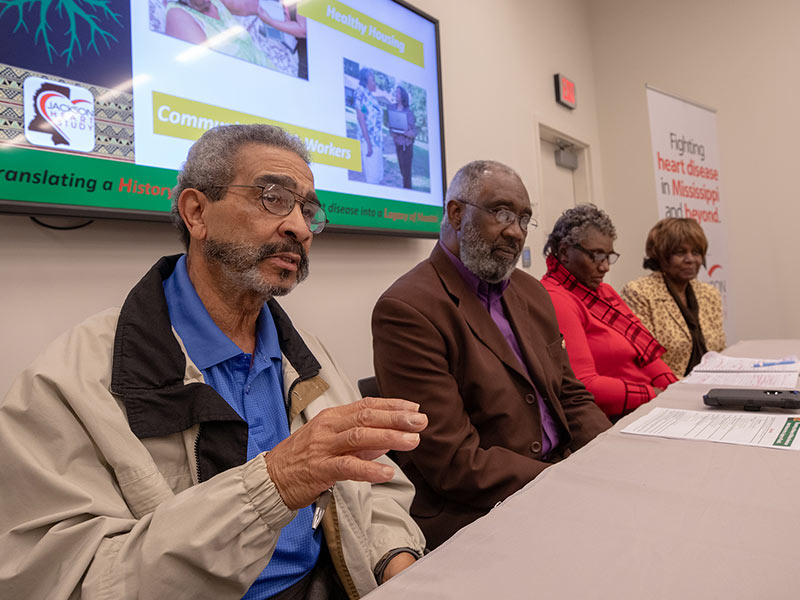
239, 264
476, 254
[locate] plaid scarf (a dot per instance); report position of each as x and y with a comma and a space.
646, 346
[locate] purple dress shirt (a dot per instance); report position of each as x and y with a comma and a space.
490, 295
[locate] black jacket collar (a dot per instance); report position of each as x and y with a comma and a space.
148, 372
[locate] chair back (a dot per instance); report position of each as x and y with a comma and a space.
369, 387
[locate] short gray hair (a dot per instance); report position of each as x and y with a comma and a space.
210, 161
574, 223
466, 183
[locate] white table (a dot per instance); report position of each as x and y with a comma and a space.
634, 517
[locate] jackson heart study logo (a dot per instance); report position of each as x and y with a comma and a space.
58, 115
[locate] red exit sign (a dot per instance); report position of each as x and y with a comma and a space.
565, 91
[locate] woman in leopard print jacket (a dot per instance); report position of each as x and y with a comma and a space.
682, 313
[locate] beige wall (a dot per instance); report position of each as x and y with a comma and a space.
498, 61
737, 57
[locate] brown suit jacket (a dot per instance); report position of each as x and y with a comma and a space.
436, 344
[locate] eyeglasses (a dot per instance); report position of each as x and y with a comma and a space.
507, 217
597, 255
280, 201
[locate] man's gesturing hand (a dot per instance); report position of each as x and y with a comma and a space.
340, 443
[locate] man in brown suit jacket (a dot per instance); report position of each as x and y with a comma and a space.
477, 344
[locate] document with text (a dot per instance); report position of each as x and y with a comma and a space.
718, 369
714, 361
767, 430
744, 380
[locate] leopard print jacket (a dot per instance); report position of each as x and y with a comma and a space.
649, 298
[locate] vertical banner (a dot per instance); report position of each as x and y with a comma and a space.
687, 168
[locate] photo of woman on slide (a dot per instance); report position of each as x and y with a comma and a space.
370, 127
288, 21
262, 32
198, 20
388, 117
403, 138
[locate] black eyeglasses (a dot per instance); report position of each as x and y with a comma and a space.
280, 201
506, 217
598, 256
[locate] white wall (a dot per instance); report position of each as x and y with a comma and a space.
737, 57
498, 62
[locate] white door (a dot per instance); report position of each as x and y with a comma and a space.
558, 186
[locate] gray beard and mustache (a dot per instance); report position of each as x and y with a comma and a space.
240, 265
476, 254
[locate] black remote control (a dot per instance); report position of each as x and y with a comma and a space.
752, 399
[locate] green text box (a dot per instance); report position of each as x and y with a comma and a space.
348, 20
189, 119
349, 210
43, 177
788, 433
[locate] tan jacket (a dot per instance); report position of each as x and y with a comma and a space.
124, 475
649, 298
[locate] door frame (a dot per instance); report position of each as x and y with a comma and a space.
582, 176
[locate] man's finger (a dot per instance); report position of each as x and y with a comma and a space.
336, 413
356, 469
387, 404
372, 402
401, 420
370, 454
360, 439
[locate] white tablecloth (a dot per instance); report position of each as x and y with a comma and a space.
634, 517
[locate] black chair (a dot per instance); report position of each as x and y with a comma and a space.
369, 387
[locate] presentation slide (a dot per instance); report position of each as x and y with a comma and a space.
105, 118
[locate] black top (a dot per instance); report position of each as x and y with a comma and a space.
691, 312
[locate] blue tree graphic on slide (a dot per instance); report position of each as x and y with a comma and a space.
90, 17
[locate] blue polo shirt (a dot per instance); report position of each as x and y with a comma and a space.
253, 385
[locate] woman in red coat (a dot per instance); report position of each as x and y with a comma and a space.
611, 352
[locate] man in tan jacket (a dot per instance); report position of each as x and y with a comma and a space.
161, 450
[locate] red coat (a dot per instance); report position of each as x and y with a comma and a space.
602, 358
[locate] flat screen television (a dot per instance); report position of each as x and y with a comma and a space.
100, 102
